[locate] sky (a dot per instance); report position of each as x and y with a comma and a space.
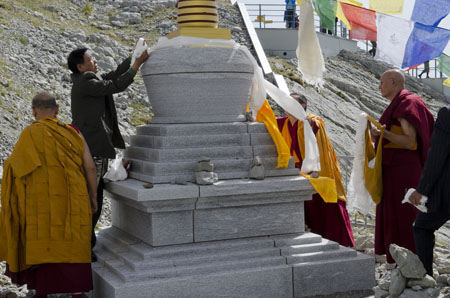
407, 11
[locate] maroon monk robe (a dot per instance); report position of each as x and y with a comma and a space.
402, 169
330, 220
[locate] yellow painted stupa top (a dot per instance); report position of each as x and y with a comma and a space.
198, 18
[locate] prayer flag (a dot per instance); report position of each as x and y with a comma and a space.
387, 6
404, 43
326, 9
446, 82
309, 54
362, 21
444, 64
444, 67
430, 12
340, 14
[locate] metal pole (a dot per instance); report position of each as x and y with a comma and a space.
260, 16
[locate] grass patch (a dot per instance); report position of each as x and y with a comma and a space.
22, 39
87, 9
141, 114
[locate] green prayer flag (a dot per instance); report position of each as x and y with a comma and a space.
326, 9
444, 64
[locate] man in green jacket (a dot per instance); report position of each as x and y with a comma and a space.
94, 112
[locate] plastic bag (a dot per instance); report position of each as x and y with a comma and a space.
116, 172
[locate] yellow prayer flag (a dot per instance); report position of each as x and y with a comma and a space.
387, 6
299, 3
446, 82
340, 14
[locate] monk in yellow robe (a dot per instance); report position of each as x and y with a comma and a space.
327, 215
48, 195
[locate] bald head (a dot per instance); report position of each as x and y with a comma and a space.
391, 83
44, 104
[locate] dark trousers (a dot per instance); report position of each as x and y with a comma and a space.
423, 229
102, 166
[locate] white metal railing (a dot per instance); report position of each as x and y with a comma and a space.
273, 16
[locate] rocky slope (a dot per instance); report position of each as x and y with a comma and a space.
36, 37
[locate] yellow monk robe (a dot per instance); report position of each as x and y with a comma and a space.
329, 184
46, 214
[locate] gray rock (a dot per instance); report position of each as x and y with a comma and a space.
204, 166
165, 24
408, 263
364, 242
236, 29
256, 161
426, 282
206, 178
118, 24
397, 285
442, 279
51, 8
130, 17
257, 172
428, 293
78, 35
380, 293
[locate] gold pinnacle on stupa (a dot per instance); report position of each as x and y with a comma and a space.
198, 18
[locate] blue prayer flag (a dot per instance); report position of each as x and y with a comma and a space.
430, 12
425, 43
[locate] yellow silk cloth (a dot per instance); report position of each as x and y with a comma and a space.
45, 215
373, 176
329, 183
266, 116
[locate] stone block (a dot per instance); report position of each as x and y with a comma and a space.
324, 245
334, 276
177, 142
257, 127
248, 221
215, 101
296, 239
261, 139
196, 60
268, 185
192, 129
134, 190
160, 228
265, 283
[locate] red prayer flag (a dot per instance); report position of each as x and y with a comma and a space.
362, 21
412, 67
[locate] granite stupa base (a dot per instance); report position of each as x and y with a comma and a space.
236, 238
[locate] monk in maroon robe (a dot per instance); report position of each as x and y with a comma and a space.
408, 126
330, 220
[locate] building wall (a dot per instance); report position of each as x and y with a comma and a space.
283, 42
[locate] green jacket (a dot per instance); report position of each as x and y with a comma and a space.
93, 109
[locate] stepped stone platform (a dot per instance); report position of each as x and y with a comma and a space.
291, 265
236, 238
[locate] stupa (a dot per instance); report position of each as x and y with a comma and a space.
238, 237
